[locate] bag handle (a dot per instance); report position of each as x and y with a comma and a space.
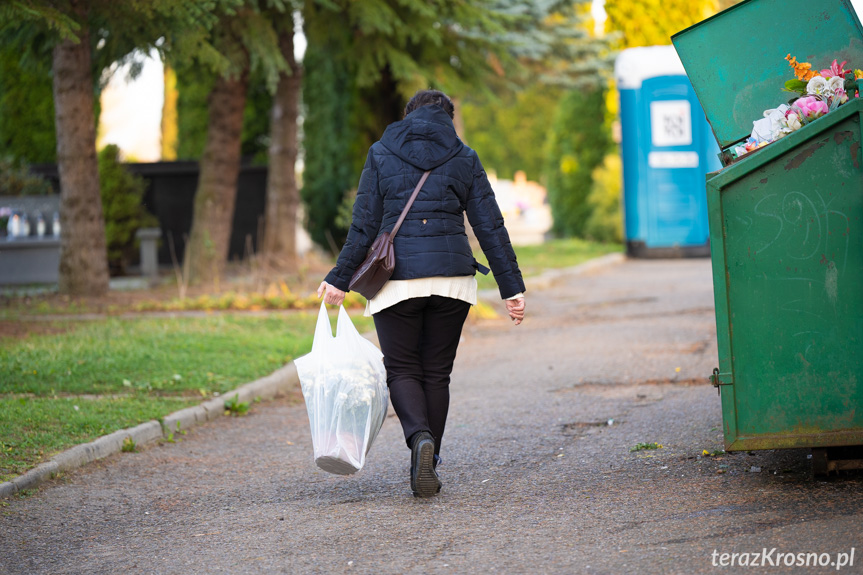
323, 331
408, 205
345, 327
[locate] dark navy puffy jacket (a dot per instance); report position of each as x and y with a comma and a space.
431, 241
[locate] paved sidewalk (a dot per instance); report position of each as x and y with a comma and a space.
535, 478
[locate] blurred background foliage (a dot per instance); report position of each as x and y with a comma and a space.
193, 86
363, 62
605, 224
653, 22
521, 118
507, 63
532, 82
26, 110
579, 140
16, 180
332, 156
122, 205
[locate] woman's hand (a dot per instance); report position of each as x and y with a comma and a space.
515, 307
332, 295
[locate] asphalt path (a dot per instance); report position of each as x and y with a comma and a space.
538, 472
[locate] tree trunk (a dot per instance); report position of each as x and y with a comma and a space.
217, 187
283, 197
83, 255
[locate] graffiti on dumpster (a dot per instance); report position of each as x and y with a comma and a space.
804, 226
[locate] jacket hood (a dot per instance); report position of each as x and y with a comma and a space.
426, 138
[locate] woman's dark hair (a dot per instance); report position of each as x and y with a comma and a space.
430, 98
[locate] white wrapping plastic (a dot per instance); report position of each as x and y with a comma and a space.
345, 387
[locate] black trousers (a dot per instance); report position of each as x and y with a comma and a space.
419, 338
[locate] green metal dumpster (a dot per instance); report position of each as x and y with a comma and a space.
786, 228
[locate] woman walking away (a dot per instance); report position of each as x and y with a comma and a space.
420, 312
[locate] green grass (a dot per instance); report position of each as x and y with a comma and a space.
554, 254
120, 373
34, 428
15, 307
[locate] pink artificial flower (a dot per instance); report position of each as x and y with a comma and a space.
842, 95
835, 70
792, 120
811, 107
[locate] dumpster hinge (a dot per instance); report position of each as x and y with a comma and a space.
718, 379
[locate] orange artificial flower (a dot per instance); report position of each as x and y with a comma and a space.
803, 70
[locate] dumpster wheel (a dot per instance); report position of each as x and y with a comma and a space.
826, 460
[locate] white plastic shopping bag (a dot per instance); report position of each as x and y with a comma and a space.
345, 387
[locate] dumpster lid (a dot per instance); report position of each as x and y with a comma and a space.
635, 65
736, 59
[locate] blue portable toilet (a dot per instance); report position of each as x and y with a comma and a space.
667, 151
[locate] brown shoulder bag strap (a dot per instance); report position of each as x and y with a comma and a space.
408, 205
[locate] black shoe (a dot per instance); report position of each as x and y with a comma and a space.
424, 479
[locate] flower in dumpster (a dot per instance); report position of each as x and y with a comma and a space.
802, 70
822, 92
836, 89
817, 85
792, 120
835, 70
831, 88
811, 107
